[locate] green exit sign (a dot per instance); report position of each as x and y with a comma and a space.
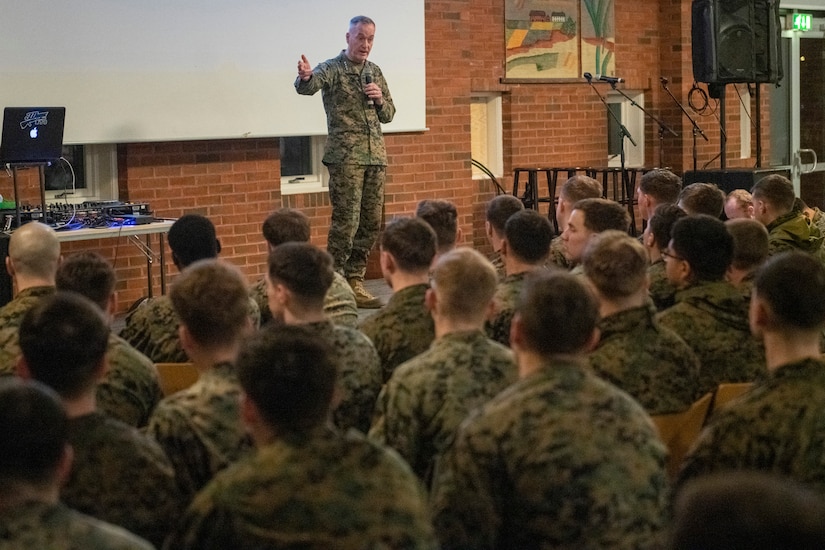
802, 21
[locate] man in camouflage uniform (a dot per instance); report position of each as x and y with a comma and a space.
308, 485
702, 198
200, 427
290, 225
404, 327
590, 217
298, 278
560, 459
34, 253
739, 204
356, 100
129, 389
656, 187
750, 252
442, 216
777, 426
427, 397
35, 458
788, 228
152, 327
710, 314
498, 211
655, 238
648, 361
120, 475
527, 236
573, 190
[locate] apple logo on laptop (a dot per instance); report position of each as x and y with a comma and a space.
33, 133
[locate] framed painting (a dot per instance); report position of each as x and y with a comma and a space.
558, 39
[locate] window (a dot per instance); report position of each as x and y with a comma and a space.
486, 134
301, 168
633, 119
85, 173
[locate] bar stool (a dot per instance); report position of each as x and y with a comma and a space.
531, 198
618, 185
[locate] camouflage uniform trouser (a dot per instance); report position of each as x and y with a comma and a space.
357, 196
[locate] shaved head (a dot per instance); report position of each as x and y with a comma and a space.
34, 250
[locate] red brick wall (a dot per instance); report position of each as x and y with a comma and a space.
236, 182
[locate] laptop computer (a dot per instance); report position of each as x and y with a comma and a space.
32, 135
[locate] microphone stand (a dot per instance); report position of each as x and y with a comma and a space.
623, 133
696, 129
662, 126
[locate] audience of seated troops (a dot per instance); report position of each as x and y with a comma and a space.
575, 189
287, 225
403, 328
526, 244
416, 429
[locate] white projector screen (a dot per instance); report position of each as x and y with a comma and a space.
168, 70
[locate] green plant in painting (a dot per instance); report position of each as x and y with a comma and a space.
599, 12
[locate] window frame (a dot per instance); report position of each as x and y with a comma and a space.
315, 182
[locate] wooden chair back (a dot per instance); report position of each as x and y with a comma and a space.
679, 430
174, 377
726, 393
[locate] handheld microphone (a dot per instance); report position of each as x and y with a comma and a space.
611, 79
368, 80
588, 76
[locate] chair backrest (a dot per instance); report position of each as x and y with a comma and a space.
726, 393
679, 430
174, 377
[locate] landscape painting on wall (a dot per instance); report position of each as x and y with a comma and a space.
558, 38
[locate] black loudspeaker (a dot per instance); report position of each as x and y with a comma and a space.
736, 41
728, 180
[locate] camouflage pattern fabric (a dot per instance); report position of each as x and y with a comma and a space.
10, 316
777, 427
339, 302
200, 427
325, 491
355, 155
498, 264
793, 232
661, 291
122, 477
818, 220
359, 374
37, 525
129, 389
648, 361
152, 329
712, 317
556, 257
504, 308
402, 329
560, 459
427, 398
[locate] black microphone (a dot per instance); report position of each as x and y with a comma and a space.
368, 80
611, 79
664, 80
588, 76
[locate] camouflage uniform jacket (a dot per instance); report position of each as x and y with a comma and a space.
661, 291
777, 427
712, 317
122, 477
498, 263
560, 459
40, 526
10, 316
130, 389
325, 491
504, 304
793, 232
353, 129
557, 257
152, 329
648, 361
401, 329
339, 302
427, 398
359, 374
200, 427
